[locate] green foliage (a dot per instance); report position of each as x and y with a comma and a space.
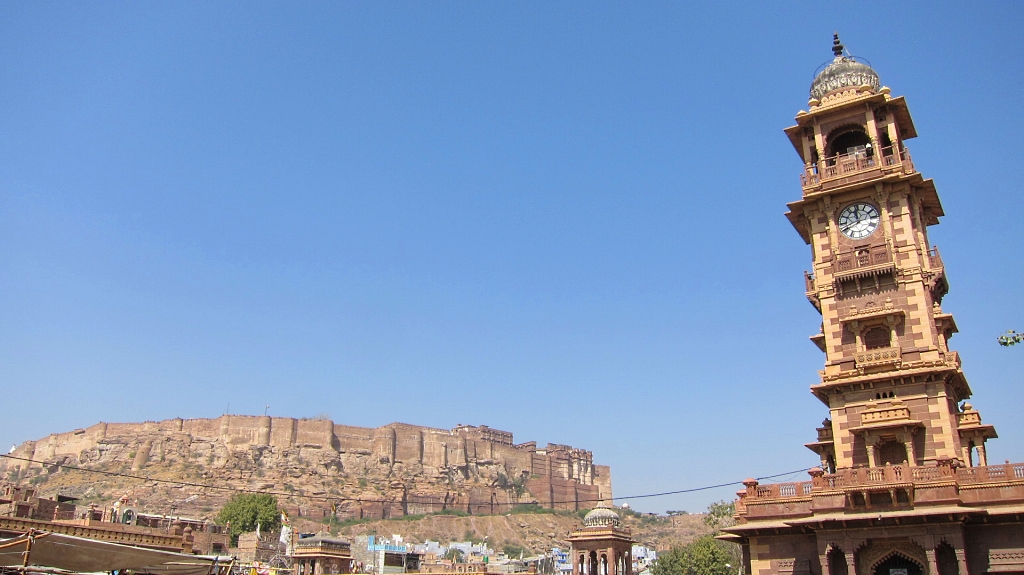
245, 510
645, 519
672, 513
532, 509
720, 514
1011, 338
513, 551
454, 555
516, 485
704, 556
454, 512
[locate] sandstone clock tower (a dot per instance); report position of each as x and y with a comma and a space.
905, 486
892, 385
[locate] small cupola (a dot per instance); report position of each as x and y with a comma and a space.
843, 73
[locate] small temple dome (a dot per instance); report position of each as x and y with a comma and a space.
843, 72
601, 516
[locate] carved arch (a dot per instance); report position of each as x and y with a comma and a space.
849, 133
875, 552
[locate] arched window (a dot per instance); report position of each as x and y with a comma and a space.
876, 337
893, 452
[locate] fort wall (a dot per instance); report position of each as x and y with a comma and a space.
424, 459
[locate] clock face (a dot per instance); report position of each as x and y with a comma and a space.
858, 221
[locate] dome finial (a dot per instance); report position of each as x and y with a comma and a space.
837, 46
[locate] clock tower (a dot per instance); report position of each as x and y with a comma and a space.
892, 385
905, 486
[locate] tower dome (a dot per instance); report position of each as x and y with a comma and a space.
601, 516
843, 72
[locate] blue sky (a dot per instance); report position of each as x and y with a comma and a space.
559, 219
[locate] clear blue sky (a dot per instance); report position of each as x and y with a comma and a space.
562, 219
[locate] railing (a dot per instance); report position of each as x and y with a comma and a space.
782, 490
854, 259
969, 418
856, 163
888, 477
993, 473
877, 357
882, 414
934, 259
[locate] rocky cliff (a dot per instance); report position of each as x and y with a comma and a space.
317, 466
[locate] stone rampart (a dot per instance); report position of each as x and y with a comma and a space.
427, 468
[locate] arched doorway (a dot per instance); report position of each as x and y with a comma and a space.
847, 140
945, 557
899, 565
837, 562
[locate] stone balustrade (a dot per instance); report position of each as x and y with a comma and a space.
853, 260
885, 413
881, 488
968, 419
878, 357
855, 167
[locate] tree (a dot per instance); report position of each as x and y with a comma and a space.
454, 555
720, 514
513, 551
246, 510
1011, 338
703, 556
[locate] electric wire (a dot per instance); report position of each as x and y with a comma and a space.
329, 498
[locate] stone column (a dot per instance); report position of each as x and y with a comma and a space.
911, 447
982, 458
961, 559
823, 559
869, 442
851, 566
933, 565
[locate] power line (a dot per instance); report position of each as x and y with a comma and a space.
359, 499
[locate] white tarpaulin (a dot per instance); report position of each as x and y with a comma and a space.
82, 555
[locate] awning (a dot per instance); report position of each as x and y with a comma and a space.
78, 554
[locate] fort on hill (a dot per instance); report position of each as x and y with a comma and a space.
347, 471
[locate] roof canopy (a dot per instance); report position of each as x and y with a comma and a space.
77, 554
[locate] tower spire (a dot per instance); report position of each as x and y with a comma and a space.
837, 46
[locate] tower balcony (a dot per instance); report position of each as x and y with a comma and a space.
934, 259
862, 261
855, 167
879, 357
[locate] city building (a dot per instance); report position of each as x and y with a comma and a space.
602, 546
21, 511
321, 555
905, 486
373, 555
